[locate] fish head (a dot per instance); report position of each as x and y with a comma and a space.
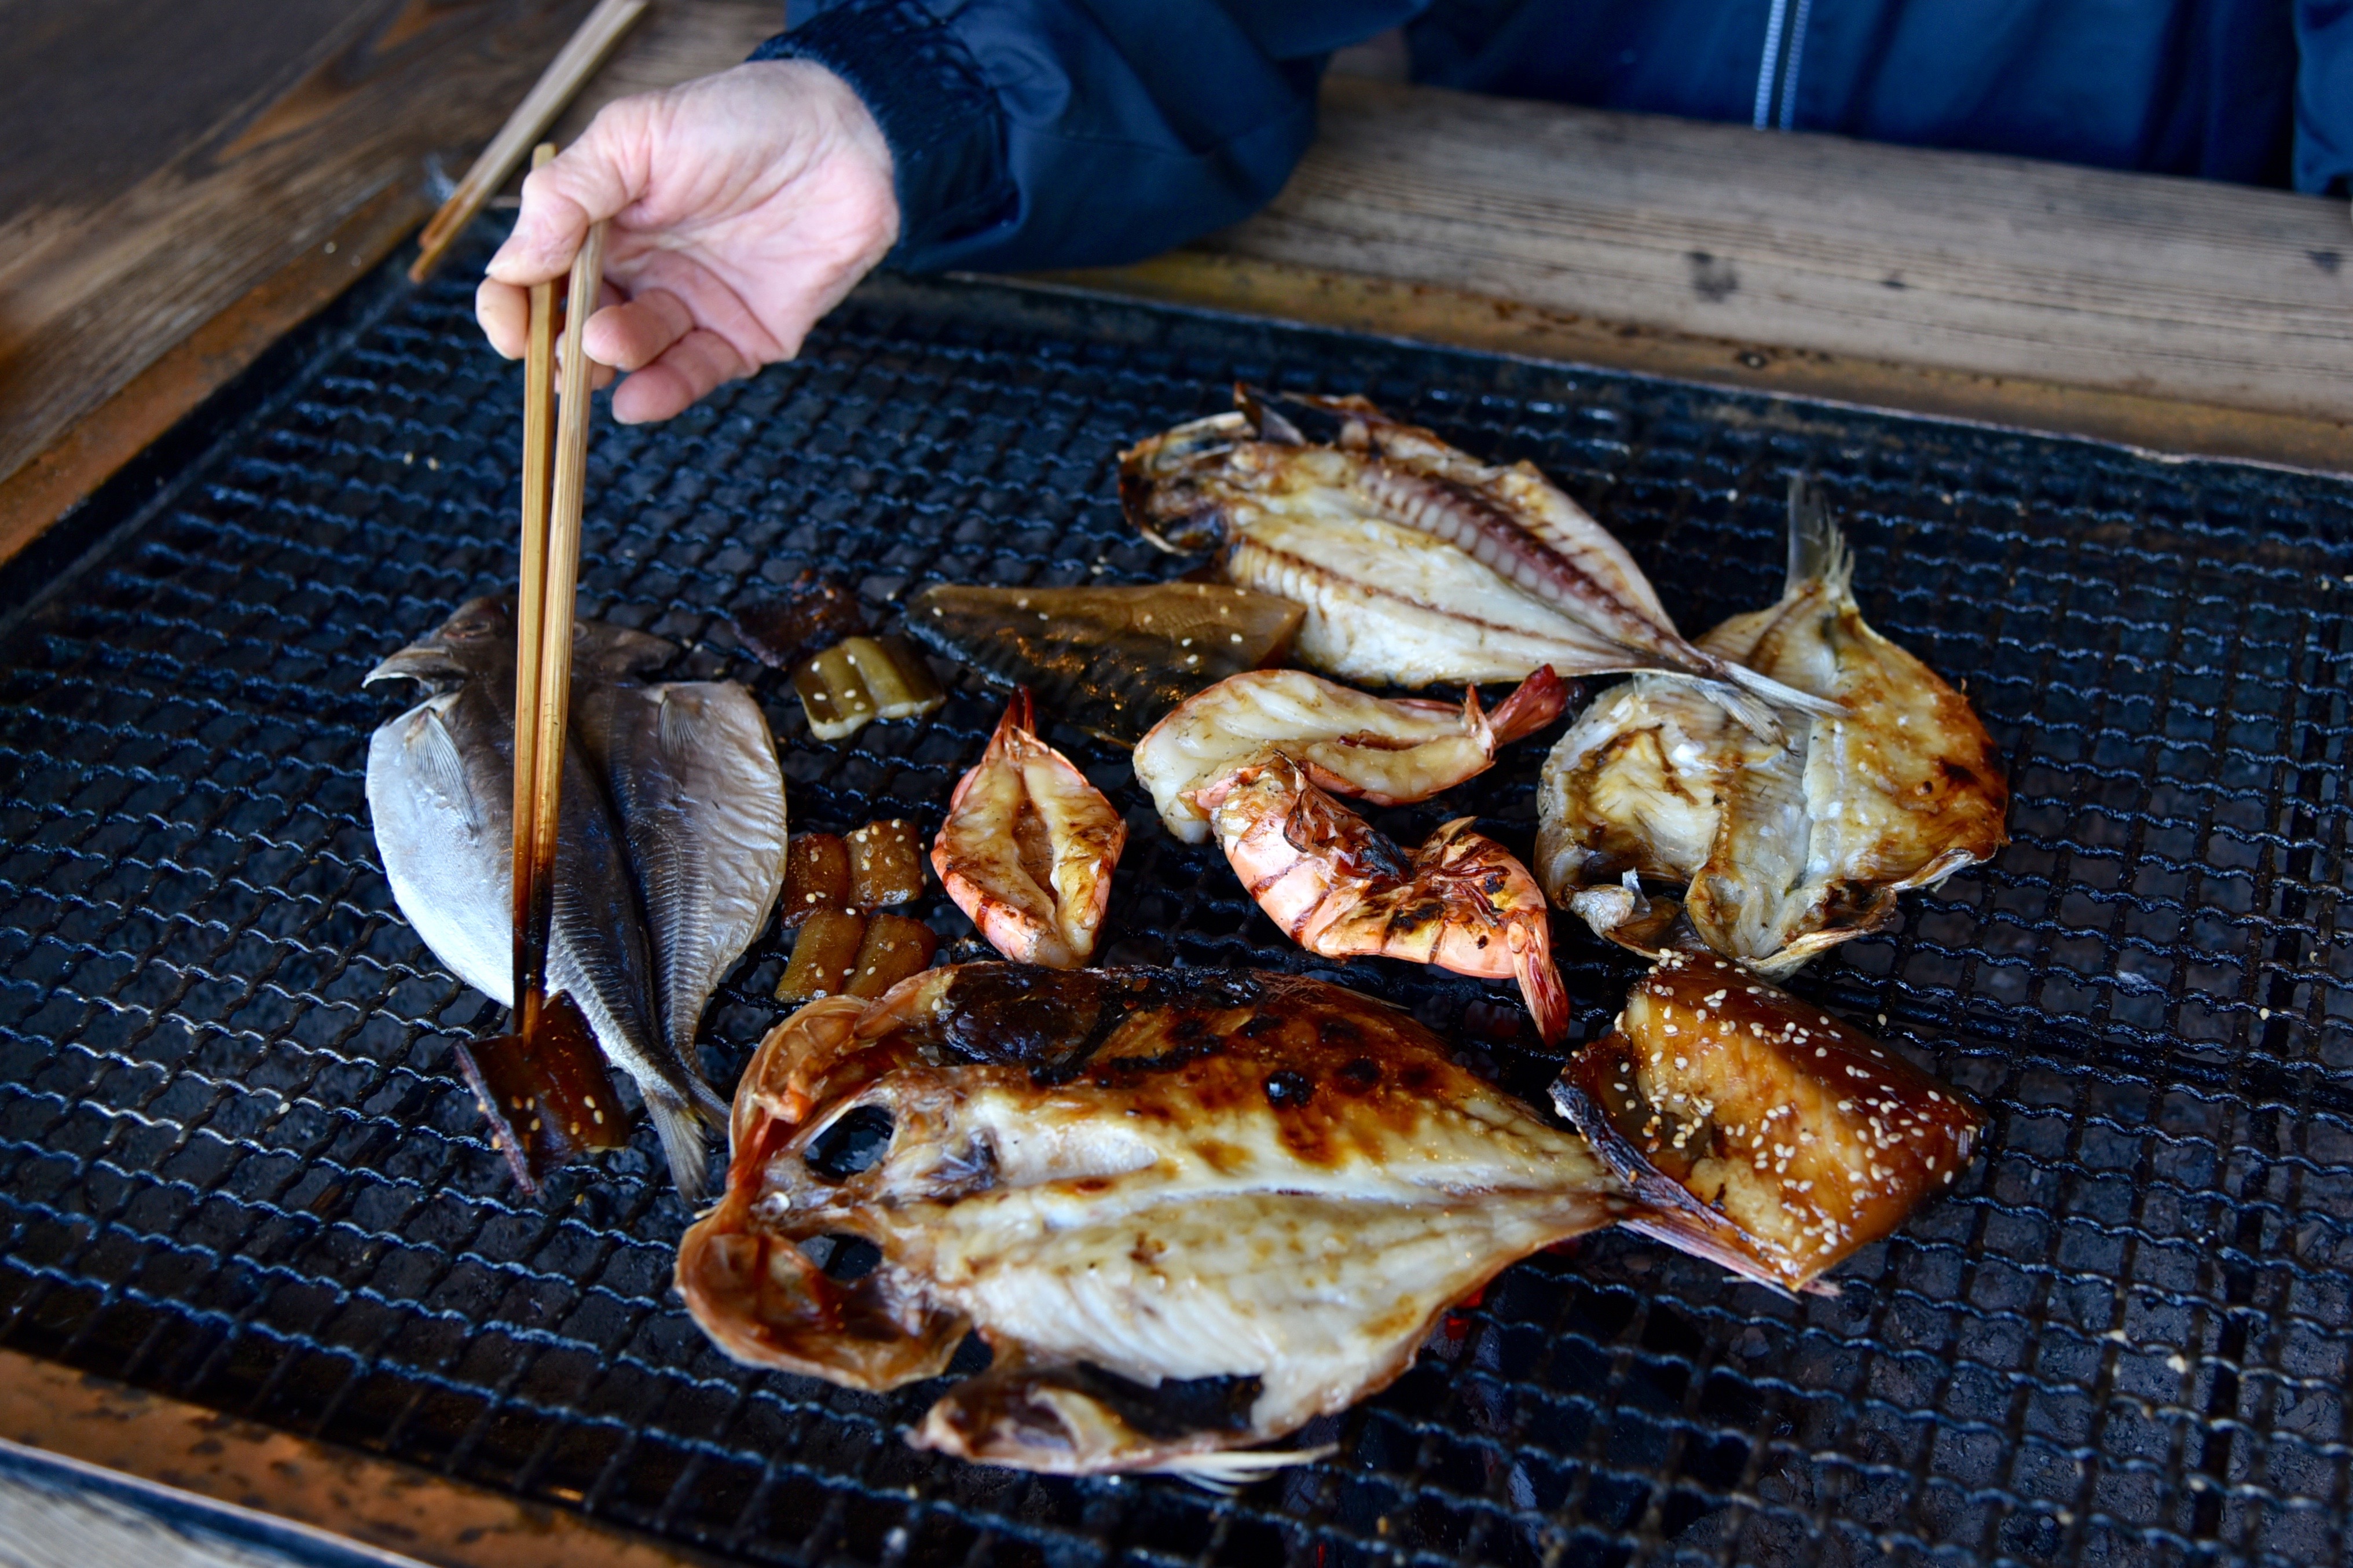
1169, 485
478, 638
1305, 419
601, 650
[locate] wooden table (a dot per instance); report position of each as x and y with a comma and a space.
193, 185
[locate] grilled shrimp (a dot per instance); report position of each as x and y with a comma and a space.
1342, 889
1028, 845
1391, 752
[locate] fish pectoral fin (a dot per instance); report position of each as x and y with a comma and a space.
1077, 1417
444, 769
681, 723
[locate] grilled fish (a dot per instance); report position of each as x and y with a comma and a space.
1111, 660
1389, 752
1760, 1131
440, 792
1786, 848
1416, 562
692, 772
1188, 1211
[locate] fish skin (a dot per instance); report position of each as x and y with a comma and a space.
1189, 1212
440, 793
1417, 562
1785, 850
692, 774
1112, 660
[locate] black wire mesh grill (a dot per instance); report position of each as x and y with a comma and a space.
236, 1166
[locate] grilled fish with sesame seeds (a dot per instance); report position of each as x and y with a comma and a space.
1758, 1131
1416, 562
1785, 850
1188, 1211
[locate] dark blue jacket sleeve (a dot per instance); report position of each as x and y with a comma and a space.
1031, 133
2324, 95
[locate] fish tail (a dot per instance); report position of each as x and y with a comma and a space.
1817, 551
681, 1131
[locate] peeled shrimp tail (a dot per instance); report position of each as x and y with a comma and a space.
1539, 977
1540, 699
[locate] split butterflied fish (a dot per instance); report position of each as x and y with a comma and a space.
1757, 1131
669, 853
1188, 1211
1416, 562
1111, 661
1786, 848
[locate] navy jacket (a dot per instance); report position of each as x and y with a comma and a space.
1033, 133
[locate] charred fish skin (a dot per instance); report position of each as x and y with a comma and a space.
1785, 849
1760, 1131
1188, 1211
1416, 562
440, 793
1112, 660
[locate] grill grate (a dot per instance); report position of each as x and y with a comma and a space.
236, 1166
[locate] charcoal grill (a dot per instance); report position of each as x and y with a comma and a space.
237, 1166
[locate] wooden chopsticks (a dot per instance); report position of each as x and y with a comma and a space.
554, 477
573, 66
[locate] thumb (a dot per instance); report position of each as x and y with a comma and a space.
587, 182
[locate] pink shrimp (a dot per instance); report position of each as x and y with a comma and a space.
1028, 847
1342, 889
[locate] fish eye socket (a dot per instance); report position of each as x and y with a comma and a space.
843, 1257
854, 1143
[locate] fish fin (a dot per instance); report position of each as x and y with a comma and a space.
710, 1104
1817, 551
680, 725
1227, 1471
1779, 695
681, 1131
444, 769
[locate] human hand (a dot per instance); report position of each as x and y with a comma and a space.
743, 206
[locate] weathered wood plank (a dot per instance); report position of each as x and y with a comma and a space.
2136, 284
91, 294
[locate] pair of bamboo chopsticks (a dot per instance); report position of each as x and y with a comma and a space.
555, 471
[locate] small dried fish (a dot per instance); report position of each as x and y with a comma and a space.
1416, 562
1187, 1211
1760, 1131
1786, 849
1111, 660
1391, 752
1340, 888
1028, 847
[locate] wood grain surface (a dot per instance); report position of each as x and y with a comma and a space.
207, 188
2144, 285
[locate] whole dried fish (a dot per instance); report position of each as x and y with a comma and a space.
1389, 752
1187, 1212
440, 792
1028, 847
1760, 1131
1111, 660
1786, 848
1416, 562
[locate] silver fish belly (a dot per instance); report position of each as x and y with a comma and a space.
1785, 850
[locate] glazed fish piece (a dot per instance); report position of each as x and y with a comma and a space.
1188, 1211
1758, 1131
1787, 850
1389, 752
692, 772
1111, 660
440, 794
1339, 888
1028, 847
1416, 562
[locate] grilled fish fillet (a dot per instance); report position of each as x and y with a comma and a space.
1787, 847
1416, 562
1187, 1211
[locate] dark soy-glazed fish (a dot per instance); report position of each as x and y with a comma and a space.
440, 792
1786, 848
1757, 1131
691, 772
1416, 562
1111, 660
1188, 1211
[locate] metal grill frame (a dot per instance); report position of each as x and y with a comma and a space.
236, 1166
